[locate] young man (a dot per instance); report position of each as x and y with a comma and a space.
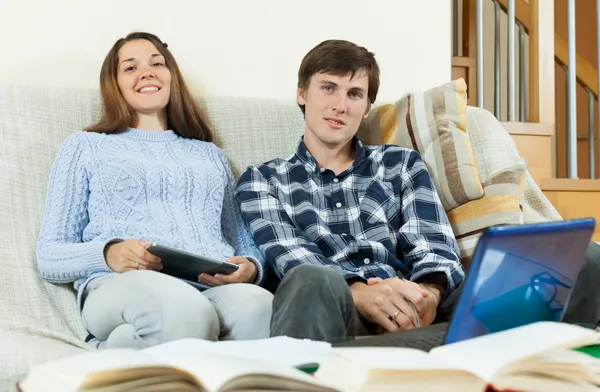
356, 233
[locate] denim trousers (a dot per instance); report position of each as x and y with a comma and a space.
314, 302
139, 309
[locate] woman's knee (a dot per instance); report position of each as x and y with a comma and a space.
157, 307
257, 303
244, 310
190, 316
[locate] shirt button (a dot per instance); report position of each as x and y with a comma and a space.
336, 180
367, 261
338, 204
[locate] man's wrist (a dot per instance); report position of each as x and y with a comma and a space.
356, 285
436, 284
433, 290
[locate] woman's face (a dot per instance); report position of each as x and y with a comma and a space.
143, 78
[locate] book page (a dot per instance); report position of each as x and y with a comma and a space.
282, 350
393, 358
70, 372
486, 355
213, 371
354, 369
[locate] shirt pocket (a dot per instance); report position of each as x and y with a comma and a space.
376, 201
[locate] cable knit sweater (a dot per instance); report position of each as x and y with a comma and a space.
143, 185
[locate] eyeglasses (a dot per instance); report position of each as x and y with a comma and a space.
546, 287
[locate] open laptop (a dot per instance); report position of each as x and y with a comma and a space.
518, 275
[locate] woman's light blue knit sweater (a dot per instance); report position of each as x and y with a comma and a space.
142, 185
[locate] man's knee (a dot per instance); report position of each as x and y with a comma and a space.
591, 268
593, 254
314, 280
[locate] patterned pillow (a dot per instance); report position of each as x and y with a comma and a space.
434, 124
501, 205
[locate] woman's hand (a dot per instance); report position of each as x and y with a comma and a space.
131, 255
246, 273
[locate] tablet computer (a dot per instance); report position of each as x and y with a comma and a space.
186, 265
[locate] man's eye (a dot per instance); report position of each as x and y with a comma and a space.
354, 94
327, 88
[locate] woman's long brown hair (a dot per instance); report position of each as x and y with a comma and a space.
183, 114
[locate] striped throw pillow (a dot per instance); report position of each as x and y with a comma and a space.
434, 124
501, 205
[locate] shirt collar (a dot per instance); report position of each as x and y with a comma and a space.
360, 153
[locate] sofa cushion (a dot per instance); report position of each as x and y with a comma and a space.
434, 123
34, 122
20, 351
254, 130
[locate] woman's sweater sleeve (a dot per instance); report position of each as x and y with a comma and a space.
62, 256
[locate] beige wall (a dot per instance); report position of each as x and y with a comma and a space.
226, 47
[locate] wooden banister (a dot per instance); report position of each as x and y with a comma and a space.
521, 12
587, 73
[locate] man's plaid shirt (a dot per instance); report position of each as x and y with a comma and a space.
379, 218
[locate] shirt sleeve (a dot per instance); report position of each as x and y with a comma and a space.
236, 232
425, 236
62, 256
283, 245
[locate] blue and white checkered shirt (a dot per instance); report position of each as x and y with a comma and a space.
379, 218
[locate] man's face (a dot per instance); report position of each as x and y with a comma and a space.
334, 107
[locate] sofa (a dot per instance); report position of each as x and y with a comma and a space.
39, 321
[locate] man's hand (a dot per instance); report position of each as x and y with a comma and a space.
386, 302
246, 273
429, 310
426, 309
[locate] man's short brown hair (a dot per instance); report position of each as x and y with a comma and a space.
338, 57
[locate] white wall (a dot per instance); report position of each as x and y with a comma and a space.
226, 47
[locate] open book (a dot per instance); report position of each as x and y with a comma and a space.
535, 357
186, 365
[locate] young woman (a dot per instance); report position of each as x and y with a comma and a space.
148, 171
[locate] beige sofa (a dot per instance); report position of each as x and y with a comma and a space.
39, 321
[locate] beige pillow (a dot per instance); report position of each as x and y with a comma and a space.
434, 124
502, 204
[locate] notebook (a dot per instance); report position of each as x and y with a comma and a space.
519, 275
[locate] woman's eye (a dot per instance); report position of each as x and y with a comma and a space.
130, 68
158, 65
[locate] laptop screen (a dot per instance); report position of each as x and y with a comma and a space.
518, 278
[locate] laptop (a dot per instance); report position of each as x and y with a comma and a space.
518, 275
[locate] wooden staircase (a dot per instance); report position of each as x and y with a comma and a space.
536, 139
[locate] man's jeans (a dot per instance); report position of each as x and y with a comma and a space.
314, 302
